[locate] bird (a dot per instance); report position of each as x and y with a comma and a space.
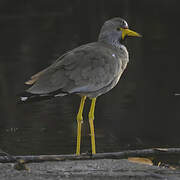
88, 71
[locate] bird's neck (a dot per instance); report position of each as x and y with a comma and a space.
110, 41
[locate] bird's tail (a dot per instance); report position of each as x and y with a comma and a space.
27, 97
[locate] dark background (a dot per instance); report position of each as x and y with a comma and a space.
141, 111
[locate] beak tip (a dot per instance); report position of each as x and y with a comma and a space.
139, 35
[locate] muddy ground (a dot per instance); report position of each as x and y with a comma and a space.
88, 169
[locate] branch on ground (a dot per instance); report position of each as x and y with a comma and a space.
113, 155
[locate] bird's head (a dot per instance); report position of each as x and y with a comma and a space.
116, 30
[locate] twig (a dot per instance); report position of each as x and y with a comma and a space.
19, 163
112, 155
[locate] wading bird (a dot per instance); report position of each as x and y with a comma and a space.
88, 71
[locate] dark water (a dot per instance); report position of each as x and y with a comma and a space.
140, 112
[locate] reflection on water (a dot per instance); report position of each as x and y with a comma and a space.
140, 112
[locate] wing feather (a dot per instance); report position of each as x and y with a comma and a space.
85, 69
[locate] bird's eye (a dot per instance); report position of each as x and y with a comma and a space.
118, 29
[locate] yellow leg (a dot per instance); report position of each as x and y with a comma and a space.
91, 123
79, 123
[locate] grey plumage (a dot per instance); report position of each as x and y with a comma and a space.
89, 70
85, 70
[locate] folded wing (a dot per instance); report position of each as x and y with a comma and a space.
85, 69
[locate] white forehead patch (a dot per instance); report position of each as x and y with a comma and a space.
113, 55
125, 23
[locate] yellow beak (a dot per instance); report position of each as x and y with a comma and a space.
128, 32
